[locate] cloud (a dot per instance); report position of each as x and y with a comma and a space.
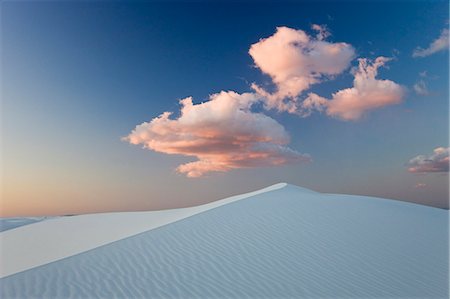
295, 61
322, 31
420, 186
439, 44
222, 133
421, 88
437, 162
367, 93
313, 102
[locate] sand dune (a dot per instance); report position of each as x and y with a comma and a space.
61, 237
13, 222
281, 242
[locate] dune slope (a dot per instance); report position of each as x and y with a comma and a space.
61, 237
289, 242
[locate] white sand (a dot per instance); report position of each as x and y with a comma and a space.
286, 243
62, 237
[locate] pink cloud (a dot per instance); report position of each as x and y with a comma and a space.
436, 162
367, 93
294, 61
322, 31
313, 102
222, 133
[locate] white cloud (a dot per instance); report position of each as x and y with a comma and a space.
436, 162
420, 186
222, 133
294, 61
439, 44
421, 88
367, 93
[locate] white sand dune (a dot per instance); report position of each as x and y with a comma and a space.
62, 237
280, 242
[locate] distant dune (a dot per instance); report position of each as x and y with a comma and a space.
10, 223
281, 241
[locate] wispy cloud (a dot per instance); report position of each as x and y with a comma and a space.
421, 88
439, 44
368, 93
295, 60
222, 134
436, 162
420, 186
322, 31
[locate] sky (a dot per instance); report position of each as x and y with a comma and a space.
125, 106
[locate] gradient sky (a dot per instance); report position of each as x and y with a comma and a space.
77, 77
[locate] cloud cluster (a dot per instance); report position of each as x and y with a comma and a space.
295, 60
368, 93
437, 162
222, 133
439, 44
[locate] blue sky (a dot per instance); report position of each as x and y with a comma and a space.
77, 77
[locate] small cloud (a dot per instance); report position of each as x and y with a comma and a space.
322, 31
439, 44
420, 186
222, 134
421, 88
436, 162
367, 93
423, 74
